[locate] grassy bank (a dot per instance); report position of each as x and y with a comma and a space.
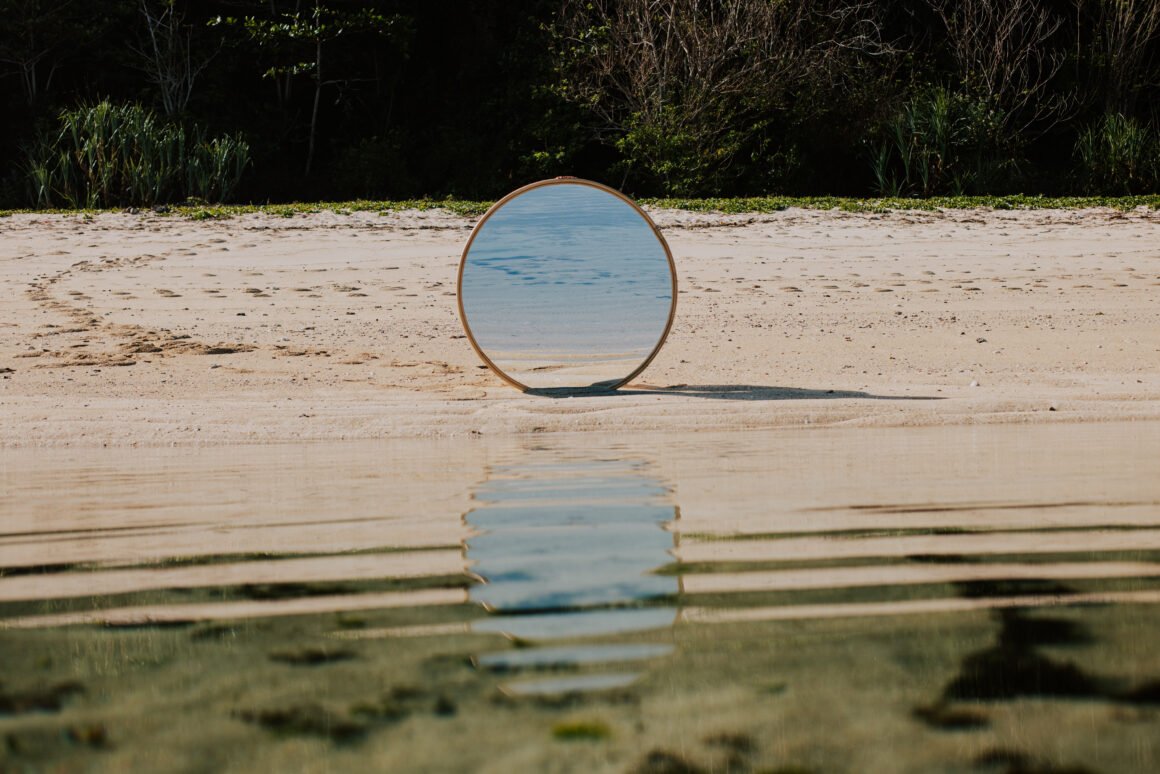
732, 206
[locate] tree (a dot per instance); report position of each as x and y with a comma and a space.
33, 39
1122, 50
167, 55
682, 86
308, 32
1003, 54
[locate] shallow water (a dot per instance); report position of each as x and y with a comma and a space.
940, 599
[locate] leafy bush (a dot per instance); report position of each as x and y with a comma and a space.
942, 142
684, 160
1119, 155
107, 155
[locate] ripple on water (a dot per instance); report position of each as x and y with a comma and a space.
810, 586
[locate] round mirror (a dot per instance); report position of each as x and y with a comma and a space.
566, 285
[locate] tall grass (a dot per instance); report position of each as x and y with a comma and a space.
1119, 155
942, 142
107, 155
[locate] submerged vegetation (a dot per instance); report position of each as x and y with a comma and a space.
569, 730
140, 102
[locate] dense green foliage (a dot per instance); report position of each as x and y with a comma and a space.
107, 155
940, 141
1120, 154
341, 99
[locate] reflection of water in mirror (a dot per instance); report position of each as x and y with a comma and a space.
567, 552
566, 285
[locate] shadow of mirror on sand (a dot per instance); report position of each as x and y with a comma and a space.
754, 392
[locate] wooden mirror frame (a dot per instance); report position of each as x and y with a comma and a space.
565, 181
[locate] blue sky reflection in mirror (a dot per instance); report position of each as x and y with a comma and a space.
566, 285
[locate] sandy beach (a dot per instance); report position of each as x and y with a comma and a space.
303, 582
127, 329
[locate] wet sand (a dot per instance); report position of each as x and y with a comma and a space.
151, 330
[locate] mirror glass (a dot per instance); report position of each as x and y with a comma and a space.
566, 285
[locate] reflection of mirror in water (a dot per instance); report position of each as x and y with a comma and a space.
566, 285
567, 552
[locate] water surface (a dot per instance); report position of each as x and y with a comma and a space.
937, 599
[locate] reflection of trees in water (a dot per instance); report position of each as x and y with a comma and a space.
1019, 663
567, 552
